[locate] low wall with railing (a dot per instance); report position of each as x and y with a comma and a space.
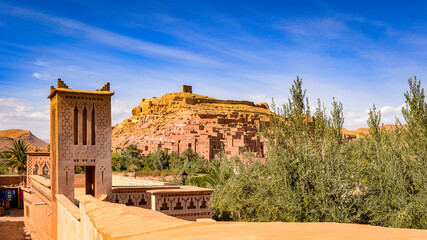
185, 202
97, 220
103, 220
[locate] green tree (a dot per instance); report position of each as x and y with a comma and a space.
133, 151
18, 159
374, 121
161, 159
337, 119
415, 110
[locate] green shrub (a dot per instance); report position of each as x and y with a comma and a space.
313, 175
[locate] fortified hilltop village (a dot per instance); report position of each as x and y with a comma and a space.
182, 120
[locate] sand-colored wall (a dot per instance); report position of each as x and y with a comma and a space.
79, 181
12, 180
104, 220
68, 219
73, 222
40, 208
39, 159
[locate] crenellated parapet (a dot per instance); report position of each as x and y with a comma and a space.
105, 88
61, 84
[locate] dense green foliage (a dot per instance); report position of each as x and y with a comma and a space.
160, 162
313, 174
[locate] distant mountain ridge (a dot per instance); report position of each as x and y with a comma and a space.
7, 137
350, 134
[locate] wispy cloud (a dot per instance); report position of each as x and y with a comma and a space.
323, 27
41, 63
119, 41
43, 76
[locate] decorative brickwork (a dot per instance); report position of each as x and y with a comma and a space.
81, 139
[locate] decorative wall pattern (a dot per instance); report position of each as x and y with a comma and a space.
41, 160
137, 198
84, 154
182, 201
67, 130
185, 205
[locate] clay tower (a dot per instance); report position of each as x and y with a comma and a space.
80, 135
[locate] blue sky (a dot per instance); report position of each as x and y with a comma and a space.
360, 53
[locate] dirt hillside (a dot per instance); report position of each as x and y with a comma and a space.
7, 137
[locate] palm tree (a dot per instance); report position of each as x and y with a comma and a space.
18, 159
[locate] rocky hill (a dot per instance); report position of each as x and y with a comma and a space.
181, 120
7, 137
349, 134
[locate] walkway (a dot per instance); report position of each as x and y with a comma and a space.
15, 226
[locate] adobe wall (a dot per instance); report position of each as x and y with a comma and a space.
137, 197
187, 89
41, 160
39, 207
79, 180
181, 203
12, 180
69, 226
184, 202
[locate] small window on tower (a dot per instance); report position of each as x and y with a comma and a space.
84, 126
76, 126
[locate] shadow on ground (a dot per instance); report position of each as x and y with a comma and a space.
15, 226
12, 230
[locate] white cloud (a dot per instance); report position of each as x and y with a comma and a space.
390, 111
43, 76
9, 102
23, 108
354, 119
119, 111
41, 63
15, 113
